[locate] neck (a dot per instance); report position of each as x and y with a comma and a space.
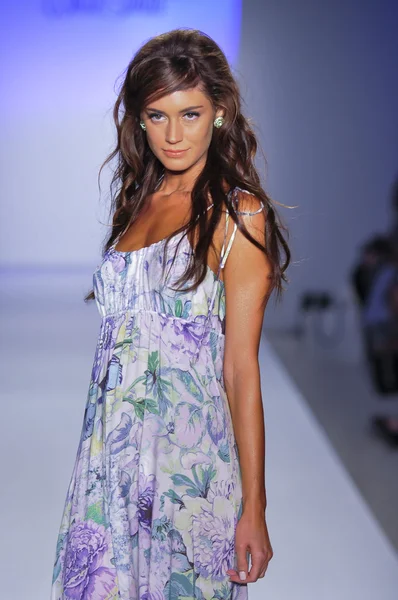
179, 181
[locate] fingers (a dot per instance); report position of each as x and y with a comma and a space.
258, 567
239, 575
270, 554
259, 564
242, 563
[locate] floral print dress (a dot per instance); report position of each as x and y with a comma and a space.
155, 494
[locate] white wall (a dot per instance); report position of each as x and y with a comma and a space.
320, 80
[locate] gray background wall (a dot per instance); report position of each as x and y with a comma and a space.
324, 97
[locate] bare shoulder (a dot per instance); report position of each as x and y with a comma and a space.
248, 265
251, 211
246, 203
248, 280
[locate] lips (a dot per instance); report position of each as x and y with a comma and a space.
174, 152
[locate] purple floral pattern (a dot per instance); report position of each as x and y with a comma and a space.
84, 576
155, 493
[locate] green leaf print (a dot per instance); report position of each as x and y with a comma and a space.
134, 541
126, 341
189, 383
191, 489
178, 308
187, 309
199, 594
192, 576
153, 361
95, 513
162, 391
60, 544
156, 385
174, 499
199, 487
139, 408
57, 570
160, 528
140, 378
181, 562
204, 478
177, 586
213, 344
57, 564
151, 406
240, 511
143, 404
147, 555
223, 453
180, 479
181, 308
223, 594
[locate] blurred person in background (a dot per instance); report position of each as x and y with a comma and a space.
375, 281
393, 232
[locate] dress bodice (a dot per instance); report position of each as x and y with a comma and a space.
143, 280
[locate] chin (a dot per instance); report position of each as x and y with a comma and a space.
177, 165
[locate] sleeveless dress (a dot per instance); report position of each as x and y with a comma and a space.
155, 493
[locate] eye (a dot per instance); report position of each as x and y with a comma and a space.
155, 115
194, 114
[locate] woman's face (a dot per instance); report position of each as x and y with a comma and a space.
183, 121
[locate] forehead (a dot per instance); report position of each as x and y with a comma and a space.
179, 100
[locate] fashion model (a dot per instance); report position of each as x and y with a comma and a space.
167, 497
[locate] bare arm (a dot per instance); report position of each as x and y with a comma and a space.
246, 285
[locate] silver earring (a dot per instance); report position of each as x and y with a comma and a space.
218, 122
143, 125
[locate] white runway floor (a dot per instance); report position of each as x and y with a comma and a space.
327, 545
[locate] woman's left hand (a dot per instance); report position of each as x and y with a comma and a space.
251, 537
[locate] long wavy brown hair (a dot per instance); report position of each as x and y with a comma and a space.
180, 60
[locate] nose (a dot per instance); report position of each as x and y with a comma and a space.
174, 131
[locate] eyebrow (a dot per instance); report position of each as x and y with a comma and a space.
180, 111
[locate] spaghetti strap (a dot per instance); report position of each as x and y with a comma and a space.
225, 251
244, 212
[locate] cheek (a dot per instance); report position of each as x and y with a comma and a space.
200, 135
155, 138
